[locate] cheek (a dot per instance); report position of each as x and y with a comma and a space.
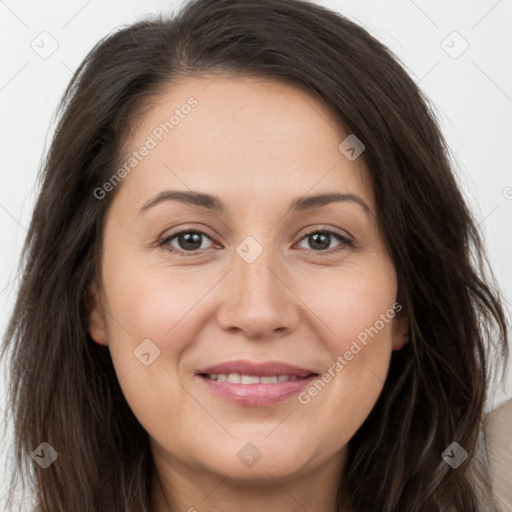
357, 307
150, 302
144, 309
347, 390
352, 301
146, 338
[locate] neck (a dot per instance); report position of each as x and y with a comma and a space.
178, 488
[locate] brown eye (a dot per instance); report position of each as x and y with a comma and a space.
321, 240
185, 241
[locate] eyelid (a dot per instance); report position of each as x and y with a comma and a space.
345, 241
165, 239
319, 228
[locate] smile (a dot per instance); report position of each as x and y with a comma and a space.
255, 384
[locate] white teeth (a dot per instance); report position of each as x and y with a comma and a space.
249, 379
237, 378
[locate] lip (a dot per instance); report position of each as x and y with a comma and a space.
260, 394
257, 369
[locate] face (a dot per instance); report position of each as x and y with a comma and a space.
280, 290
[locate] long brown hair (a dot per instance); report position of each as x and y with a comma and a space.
63, 387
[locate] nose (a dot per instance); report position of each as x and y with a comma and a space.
257, 299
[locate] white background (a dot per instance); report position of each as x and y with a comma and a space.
472, 94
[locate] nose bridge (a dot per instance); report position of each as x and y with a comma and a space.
252, 266
257, 283
257, 301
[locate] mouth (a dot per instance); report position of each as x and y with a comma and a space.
237, 378
255, 384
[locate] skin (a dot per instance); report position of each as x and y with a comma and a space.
257, 145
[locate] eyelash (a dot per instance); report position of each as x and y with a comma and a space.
165, 241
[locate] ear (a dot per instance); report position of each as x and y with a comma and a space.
97, 325
400, 330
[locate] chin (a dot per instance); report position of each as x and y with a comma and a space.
259, 460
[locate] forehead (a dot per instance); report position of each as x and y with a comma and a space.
242, 138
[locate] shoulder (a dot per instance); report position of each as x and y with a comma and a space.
498, 446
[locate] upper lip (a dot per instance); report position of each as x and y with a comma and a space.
256, 369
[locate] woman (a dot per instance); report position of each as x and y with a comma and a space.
251, 279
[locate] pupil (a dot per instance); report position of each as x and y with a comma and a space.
191, 240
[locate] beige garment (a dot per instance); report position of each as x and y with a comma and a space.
498, 445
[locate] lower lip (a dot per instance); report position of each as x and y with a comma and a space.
257, 395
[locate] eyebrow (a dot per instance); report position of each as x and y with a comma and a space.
214, 203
